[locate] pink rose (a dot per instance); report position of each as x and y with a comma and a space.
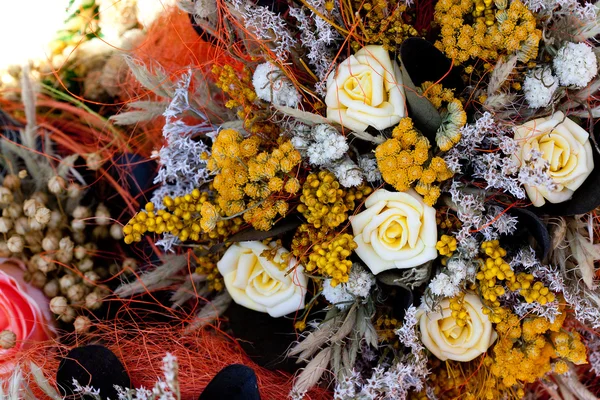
24, 311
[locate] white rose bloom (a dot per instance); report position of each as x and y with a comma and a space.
567, 149
366, 89
397, 230
259, 284
447, 341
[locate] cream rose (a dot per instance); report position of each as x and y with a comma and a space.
566, 147
397, 230
259, 284
366, 89
447, 340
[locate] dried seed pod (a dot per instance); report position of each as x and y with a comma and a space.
76, 293
38, 279
56, 185
30, 206
93, 301
6, 196
15, 244
21, 226
91, 278
59, 305
67, 281
45, 265
43, 215
52, 288
129, 264
50, 243
100, 232
116, 231
74, 191
79, 237
8, 339
11, 182
4, 251
102, 215
13, 211
82, 324
65, 252
68, 316
80, 252
6, 224
81, 212
85, 265
23, 174
78, 225
40, 197
56, 220
94, 161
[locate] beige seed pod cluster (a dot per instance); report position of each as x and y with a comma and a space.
56, 236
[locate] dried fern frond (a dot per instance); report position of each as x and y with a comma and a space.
500, 74
312, 373
163, 276
210, 312
140, 111
155, 80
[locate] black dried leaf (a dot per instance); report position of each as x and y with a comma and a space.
253, 234
92, 365
424, 62
424, 115
234, 382
530, 222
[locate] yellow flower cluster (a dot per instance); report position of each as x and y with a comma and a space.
459, 310
446, 245
386, 328
453, 115
381, 22
451, 380
182, 218
531, 291
491, 35
325, 203
250, 181
331, 258
528, 349
238, 86
404, 161
305, 237
207, 265
495, 271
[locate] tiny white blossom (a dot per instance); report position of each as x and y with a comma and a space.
360, 281
575, 64
337, 295
368, 164
442, 285
271, 85
327, 146
539, 87
347, 172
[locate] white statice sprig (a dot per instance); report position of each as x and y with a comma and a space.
267, 27
271, 85
319, 37
539, 87
368, 164
575, 64
347, 172
327, 145
406, 375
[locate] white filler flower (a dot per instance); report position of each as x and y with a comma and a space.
271, 85
539, 87
575, 64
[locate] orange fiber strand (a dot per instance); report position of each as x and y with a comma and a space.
142, 346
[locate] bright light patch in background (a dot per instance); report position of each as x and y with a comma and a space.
26, 28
